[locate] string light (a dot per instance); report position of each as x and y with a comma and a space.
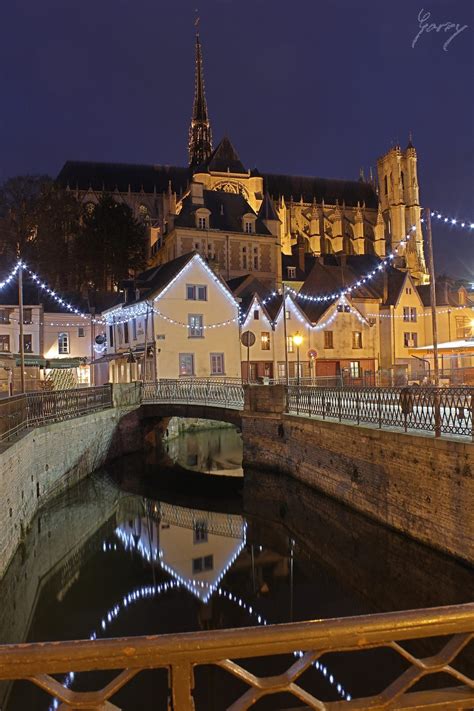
53, 295
454, 221
11, 276
423, 313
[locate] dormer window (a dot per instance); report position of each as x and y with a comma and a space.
202, 218
291, 272
248, 223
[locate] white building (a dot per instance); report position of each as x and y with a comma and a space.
183, 321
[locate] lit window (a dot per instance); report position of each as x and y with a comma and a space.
63, 343
265, 340
4, 344
289, 344
328, 339
288, 314
413, 314
195, 326
202, 223
186, 363
217, 364
354, 369
291, 272
356, 339
281, 369
80, 332
410, 340
248, 227
463, 327
27, 315
5, 315
196, 292
406, 313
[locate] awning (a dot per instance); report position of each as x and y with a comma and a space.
56, 363
31, 361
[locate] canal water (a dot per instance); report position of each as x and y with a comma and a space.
178, 541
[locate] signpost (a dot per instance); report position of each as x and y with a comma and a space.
248, 339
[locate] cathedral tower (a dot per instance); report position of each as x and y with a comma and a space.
399, 202
200, 137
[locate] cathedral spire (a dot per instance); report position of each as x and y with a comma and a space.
200, 137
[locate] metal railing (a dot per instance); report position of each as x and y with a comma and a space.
181, 654
226, 393
20, 412
429, 409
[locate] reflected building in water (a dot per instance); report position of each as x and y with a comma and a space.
195, 547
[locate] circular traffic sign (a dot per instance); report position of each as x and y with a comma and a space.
312, 353
248, 338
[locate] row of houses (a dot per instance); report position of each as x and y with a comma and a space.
181, 319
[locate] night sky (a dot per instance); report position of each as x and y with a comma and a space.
302, 87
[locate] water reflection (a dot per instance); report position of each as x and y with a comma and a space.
215, 451
141, 549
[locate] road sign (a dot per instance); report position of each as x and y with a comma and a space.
248, 338
312, 353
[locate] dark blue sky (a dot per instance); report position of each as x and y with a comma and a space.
304, 87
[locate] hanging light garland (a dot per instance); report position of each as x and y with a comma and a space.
11, 276
466, 224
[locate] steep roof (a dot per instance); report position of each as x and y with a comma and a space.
227, 211
224, 159
328, 278
154, 280
267, 209
109, 176
296, 186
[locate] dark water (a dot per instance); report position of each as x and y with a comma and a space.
147, 546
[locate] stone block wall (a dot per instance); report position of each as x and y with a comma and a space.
50, 459
419, 485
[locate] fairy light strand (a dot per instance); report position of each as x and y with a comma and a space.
453, 221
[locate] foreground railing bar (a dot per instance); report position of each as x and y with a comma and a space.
340, 634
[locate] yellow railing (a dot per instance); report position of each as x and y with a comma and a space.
181, 653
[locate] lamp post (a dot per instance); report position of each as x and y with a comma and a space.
131, 360
298, 340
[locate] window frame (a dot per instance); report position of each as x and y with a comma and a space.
186, 355
193, 330
265, 343
355, 369
213, 359
328, 340
4, 338
196, 290
64, 349
357, 340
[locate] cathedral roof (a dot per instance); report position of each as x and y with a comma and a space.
267, 209
224, 159
109, 176
295, 186
227, 211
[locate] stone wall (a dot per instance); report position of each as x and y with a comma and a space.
419, 485
49, 459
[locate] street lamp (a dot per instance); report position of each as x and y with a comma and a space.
297, 340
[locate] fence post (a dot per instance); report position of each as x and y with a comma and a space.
437, 413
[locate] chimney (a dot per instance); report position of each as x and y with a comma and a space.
197, 194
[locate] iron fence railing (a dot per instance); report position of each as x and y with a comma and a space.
439, 410
305, 643
32, 409
222, 393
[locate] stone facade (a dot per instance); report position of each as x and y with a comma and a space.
421, 486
